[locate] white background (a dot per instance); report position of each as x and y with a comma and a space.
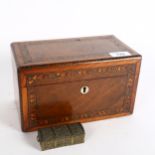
132, 21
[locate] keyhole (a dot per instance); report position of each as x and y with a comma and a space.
84, 90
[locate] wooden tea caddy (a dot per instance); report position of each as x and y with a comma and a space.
74, 80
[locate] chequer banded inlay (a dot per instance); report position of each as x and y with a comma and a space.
129, 70
34, 79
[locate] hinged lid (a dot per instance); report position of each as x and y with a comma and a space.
70, 50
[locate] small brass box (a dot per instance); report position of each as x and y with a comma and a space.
59, 136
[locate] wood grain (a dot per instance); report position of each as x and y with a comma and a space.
49, 85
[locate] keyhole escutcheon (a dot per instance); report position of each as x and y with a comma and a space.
84, 90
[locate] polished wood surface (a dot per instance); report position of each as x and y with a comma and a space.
67, 50
52, 75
